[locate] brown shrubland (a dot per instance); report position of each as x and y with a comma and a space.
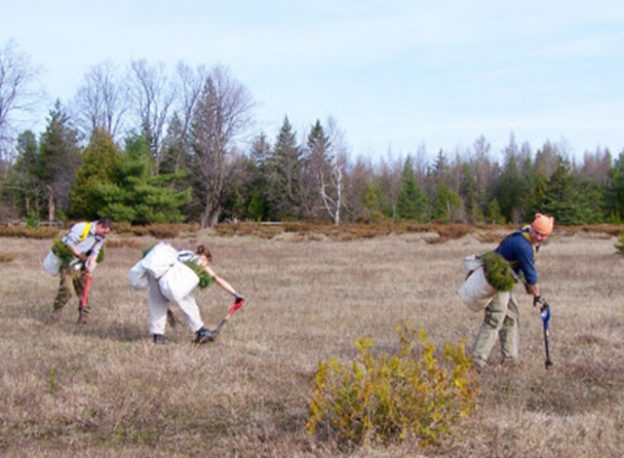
104, 390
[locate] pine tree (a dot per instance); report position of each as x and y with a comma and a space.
257, 204
446, 204
101, 160
24, 183
412, 202
493, 214
614, 192
285, 175
119, 184
511, 192
469, 195
372, 202
569, 199
59, 159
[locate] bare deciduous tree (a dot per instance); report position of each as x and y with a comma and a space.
17, 78
220, 116
332, 175
101, 101
153, 95
189, 83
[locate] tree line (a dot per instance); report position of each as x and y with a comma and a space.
147, 146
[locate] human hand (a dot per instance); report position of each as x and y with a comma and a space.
537, 300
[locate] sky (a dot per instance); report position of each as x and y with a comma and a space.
396, 75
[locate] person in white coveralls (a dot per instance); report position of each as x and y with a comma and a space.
170, 276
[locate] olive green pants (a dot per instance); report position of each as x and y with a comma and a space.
500, 322
69, 275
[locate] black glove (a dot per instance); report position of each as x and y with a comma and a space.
238, 298
537, 300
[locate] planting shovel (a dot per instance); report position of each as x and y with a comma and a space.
545, 314
237, 305
85, 292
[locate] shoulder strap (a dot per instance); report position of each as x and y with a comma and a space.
527, 235
85, 232
524, 232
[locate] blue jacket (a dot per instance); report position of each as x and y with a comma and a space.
518, 250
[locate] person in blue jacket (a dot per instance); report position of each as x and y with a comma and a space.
501, 314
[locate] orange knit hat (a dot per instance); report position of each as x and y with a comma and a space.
543, 224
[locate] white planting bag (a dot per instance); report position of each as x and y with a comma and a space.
159, 259
471, 263
476, 292
52, 264
137, 276
178, 282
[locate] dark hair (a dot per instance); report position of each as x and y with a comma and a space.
203, 250
105, 222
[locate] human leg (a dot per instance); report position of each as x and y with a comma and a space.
509, 333
157, 306
64, 293
493, 320
189, 308
194, 321
79, 281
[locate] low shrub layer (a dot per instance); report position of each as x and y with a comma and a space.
378, 399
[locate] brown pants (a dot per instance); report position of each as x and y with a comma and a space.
69, 274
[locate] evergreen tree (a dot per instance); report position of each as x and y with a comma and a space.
59, 159
511, 191
119, 184
493, 214
23, 179
372, 202
569, 199
175, 147
101, 161
285, 175
257, 204
469, 195
614, 193
446, 204
412, 202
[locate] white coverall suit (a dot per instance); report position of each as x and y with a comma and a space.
158, 305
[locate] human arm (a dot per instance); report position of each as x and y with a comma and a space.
222, 283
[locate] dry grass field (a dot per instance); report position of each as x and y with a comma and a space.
104, 390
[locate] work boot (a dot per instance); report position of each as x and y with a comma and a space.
509, 364
83, 318
159, 339
203, 336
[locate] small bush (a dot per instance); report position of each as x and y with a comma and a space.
620, 243
386, 398
497, 271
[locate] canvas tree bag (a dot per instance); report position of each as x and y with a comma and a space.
178, 282
137, 276
475, 292
160, 259
52, 263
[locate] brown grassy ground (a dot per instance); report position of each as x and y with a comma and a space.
105, 390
